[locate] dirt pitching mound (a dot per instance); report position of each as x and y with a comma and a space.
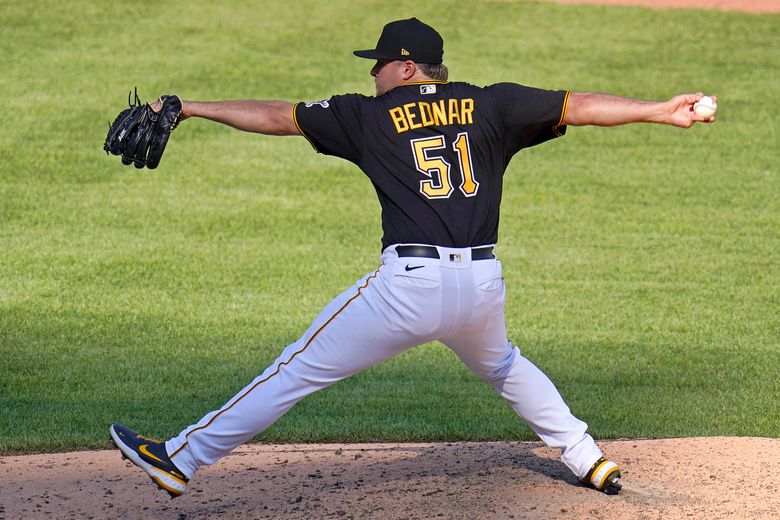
718, 477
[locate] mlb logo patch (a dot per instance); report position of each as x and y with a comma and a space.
427, 89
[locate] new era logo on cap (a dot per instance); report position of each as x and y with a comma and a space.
404, 52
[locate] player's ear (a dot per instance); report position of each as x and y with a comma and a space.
408, 69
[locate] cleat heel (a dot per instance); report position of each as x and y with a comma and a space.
604, 476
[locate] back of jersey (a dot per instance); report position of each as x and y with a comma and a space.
436, 152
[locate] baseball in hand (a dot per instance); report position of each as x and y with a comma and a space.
706, 107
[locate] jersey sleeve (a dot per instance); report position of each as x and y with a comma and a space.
332, 126
530, 115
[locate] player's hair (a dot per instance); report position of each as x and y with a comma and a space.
437, 71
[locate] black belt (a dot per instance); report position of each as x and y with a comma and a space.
477, 253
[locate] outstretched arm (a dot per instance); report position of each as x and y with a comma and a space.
590, 108
262, 117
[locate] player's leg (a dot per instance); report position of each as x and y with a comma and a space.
482, 344
534, 397
357, 329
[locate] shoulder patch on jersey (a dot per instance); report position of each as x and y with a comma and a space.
324, 103
427, 89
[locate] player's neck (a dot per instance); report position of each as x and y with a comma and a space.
417, 77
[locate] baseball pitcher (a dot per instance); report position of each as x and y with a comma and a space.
436, 152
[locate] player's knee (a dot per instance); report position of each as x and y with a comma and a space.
495, 370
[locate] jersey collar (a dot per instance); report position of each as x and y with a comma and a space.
430, 82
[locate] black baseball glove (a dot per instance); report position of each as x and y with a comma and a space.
139, 134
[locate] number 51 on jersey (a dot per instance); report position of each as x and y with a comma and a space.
438, 170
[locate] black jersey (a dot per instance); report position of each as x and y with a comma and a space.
435, 152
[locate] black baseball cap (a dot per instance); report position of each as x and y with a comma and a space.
407, 40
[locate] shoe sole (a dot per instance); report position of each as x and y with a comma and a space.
164, 480
613, 486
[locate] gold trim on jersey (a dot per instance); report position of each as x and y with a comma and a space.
298, 126
556, 128
429, 82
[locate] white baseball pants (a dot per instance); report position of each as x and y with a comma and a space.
406, 302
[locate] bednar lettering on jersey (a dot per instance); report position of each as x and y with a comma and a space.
436, 113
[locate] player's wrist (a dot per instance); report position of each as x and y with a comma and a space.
186, 109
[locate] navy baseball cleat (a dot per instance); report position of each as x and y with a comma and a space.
149, 455
604, 475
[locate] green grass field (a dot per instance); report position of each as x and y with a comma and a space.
641, 262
